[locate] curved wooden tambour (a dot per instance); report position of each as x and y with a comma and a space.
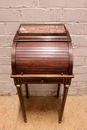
42, 58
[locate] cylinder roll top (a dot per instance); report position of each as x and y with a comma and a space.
41, 58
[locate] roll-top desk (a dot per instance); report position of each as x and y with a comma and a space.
42, 54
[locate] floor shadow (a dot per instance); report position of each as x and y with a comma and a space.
42, 105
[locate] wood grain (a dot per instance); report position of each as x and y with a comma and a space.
52, 57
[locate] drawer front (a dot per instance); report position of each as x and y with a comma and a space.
42, 80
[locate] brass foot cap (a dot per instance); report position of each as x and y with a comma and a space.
60, 121
25, 120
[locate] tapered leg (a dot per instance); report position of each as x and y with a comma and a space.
63, 102
27, 93
21, 102
58, 90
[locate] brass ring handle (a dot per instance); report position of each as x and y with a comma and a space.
42, 81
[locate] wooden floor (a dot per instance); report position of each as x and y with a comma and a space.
42, 113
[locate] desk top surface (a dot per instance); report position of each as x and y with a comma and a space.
42, 28
42, 32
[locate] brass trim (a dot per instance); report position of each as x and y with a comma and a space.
18, 85
67, 86
41, 75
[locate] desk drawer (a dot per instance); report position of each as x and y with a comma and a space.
42, 80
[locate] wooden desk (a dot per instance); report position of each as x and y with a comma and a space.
42, 54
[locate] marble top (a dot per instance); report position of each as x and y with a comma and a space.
42, 29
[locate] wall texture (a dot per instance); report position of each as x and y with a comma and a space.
72, 13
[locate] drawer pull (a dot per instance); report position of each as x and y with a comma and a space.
42, 81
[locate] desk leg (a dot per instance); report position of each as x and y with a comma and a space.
27, 93
21, 101
63, 102
58, 90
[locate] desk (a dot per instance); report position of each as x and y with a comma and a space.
42, 54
